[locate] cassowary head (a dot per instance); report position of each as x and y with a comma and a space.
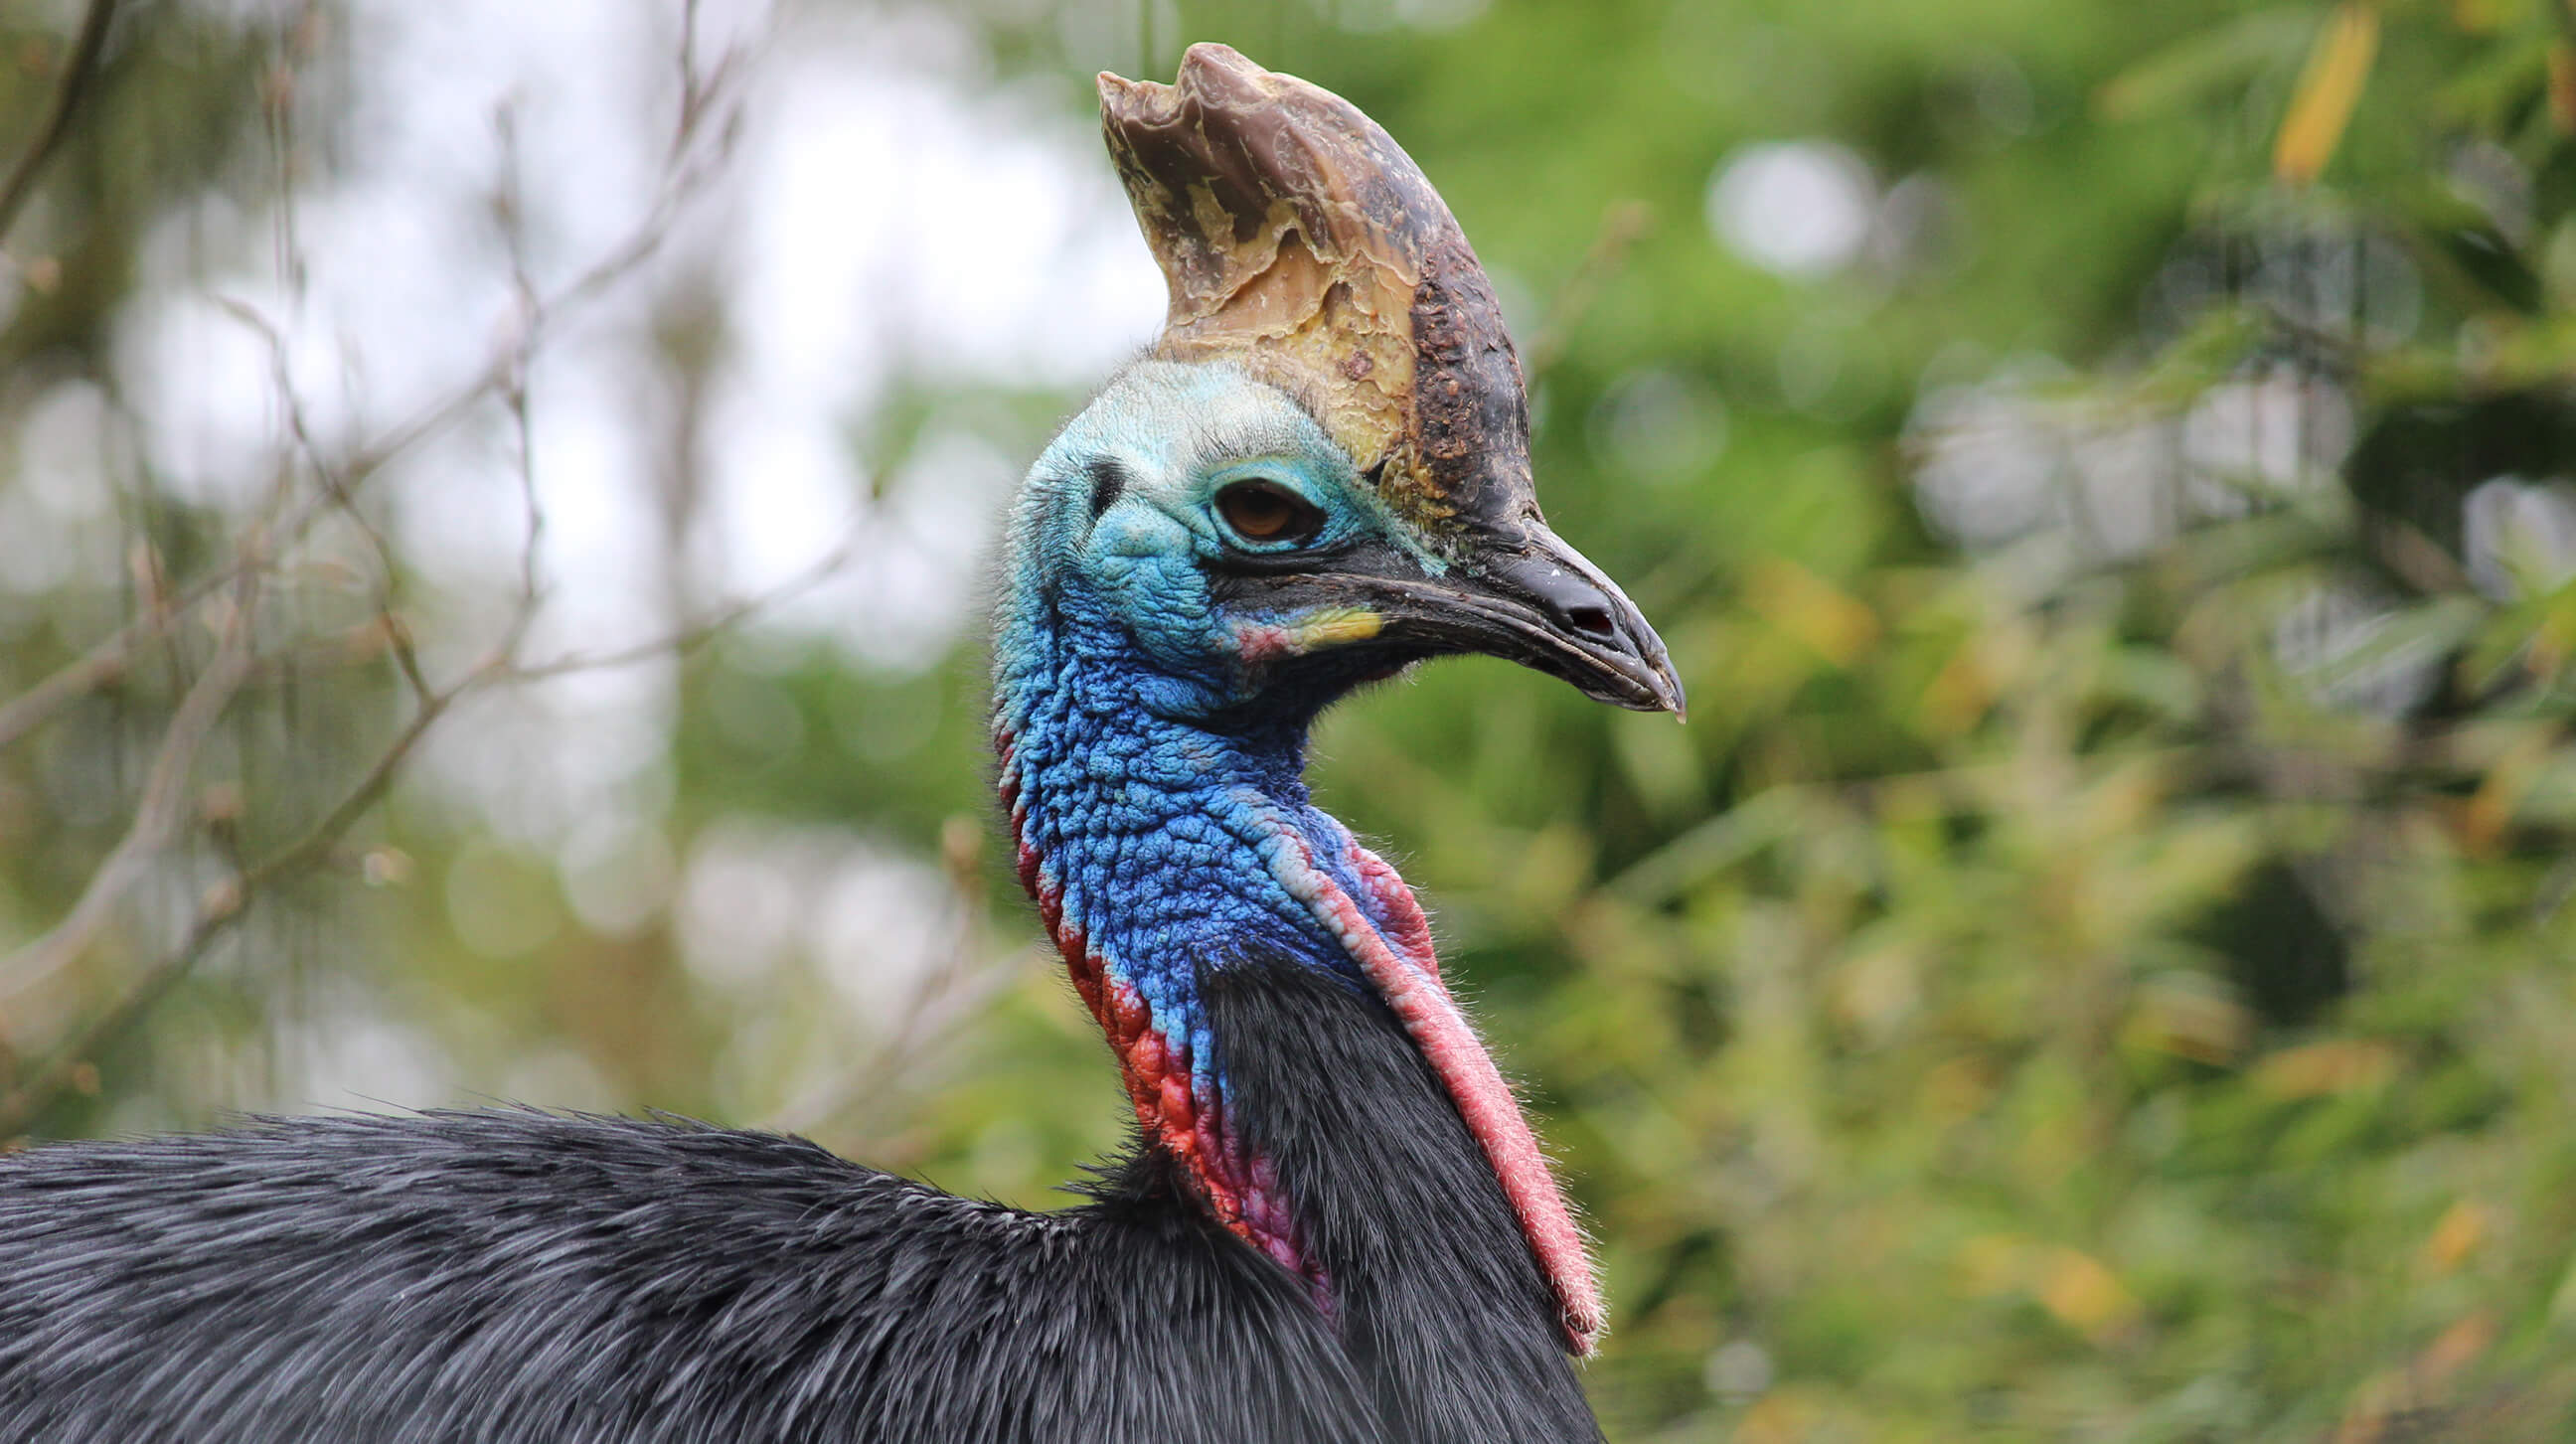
1322, 473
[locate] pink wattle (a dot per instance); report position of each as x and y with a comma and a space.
1400, 963
1391, 941
1399, 917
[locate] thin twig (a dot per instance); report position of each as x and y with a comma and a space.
21, 1105
158, 817
1621, 225
225, 904
317, 842
107, 661
337, 491
689, 92
689, 638
78, 72
690, 168
100, 666
523, 424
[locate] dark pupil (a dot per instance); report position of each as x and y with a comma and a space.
1258, 512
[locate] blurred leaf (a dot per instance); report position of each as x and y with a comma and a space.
2328, 90
2205, 62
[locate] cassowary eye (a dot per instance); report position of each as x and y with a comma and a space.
1264, 511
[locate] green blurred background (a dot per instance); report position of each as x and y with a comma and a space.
2095, 965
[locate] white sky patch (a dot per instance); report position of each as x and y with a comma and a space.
891, 214
2520, 536
1800, 208
57, 521
202, 378
902, 224
881, 924
346, 1055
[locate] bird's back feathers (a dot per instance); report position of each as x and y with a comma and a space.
510, 1275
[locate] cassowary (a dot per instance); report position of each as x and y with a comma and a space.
1333, 1223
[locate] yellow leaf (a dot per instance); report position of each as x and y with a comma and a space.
2328, 89
2461, 1229
2562, 88
1811, 609
2084, 1295
2483, 821
2454, 1349
2317, 1070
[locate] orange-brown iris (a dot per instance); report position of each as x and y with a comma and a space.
1264, 511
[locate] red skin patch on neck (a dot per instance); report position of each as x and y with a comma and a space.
1399, 962
1400, 917
1390, 939
1172, 1110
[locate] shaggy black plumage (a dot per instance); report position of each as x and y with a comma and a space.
503, 1275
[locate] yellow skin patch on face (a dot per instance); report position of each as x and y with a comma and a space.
1335, 626
1306, 633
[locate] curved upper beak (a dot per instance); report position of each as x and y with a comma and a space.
1520, 593
1534, 600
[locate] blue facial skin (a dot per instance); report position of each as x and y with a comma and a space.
1159, 769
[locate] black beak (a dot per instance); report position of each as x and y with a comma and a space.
1535, 600
1522, 595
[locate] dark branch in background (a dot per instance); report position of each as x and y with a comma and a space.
78, 72
108, 661
223, 906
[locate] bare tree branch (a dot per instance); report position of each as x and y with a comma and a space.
78, 72
689, 638
1621, 225
23, 1103
161, 816
157, 818
224, 905
108, 661
100, 666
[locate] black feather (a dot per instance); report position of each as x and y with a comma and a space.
512, 1275
1108, 483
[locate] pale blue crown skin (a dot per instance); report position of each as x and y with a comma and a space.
1160, 771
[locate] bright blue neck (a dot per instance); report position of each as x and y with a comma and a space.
1154, 817
1164, 827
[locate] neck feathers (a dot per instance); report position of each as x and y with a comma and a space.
1171, 855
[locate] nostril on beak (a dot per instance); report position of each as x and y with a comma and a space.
1592, 620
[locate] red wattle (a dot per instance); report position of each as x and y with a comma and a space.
1402, 922
1160, 1084
1408, 977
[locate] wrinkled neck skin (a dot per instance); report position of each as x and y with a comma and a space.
1164, 828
